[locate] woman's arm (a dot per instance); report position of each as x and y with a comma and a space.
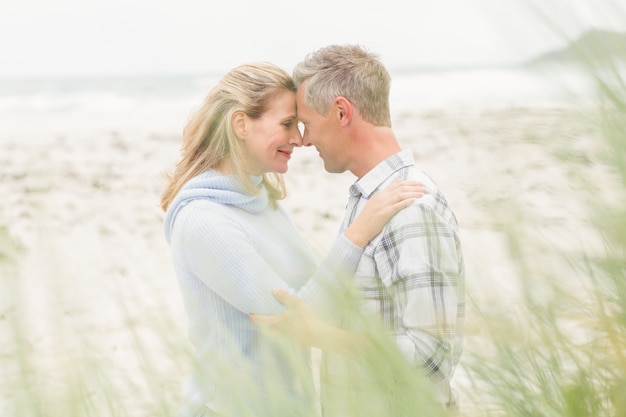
335, 272
221, 254
215, 248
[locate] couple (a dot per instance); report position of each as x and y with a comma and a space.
246, 274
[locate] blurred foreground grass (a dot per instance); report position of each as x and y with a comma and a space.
562, 352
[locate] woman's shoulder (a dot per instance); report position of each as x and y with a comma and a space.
204, 210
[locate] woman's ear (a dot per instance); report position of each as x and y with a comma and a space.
238, 121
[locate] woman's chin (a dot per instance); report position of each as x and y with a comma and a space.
282, 169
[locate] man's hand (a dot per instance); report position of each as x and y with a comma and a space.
298, 322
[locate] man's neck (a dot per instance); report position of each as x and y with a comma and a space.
379, 144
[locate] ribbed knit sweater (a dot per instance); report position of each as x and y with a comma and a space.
229, 250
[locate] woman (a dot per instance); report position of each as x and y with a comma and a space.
232, 243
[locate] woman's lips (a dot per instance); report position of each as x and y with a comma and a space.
287, 154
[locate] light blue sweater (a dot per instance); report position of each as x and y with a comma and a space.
229, 250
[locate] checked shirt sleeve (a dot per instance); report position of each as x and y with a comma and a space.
420, 266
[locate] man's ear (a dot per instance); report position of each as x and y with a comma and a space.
343, 109
238, 121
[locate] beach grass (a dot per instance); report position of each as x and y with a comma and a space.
556, 348
562, 351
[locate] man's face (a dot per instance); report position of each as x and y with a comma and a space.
323, 133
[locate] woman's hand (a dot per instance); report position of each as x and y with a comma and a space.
381, 208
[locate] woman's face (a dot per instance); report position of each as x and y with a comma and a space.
270, 139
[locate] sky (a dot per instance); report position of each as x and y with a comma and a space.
69, 38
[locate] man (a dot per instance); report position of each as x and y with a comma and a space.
411, 275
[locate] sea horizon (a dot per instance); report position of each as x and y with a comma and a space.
416, 88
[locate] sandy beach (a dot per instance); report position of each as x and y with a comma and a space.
89, 304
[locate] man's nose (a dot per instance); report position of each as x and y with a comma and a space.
296, 138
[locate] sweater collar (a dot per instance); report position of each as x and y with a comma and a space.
217, 187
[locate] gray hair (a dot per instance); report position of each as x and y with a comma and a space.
348, 71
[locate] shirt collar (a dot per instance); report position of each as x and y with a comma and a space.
371, 181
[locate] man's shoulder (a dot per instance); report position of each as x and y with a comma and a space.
432, 207
411, 172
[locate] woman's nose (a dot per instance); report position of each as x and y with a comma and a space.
296, 138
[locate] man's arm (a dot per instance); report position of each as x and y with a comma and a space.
301, 324
420, 264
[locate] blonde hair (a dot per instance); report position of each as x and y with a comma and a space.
209, 138
348, 71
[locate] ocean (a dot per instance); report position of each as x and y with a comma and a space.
177, 96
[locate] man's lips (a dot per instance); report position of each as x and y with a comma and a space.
285, 153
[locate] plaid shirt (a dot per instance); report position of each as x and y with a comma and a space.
412, 277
